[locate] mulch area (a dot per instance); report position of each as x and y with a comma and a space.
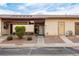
53, 39
20, 41
74, 39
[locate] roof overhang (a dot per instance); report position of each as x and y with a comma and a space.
39, 16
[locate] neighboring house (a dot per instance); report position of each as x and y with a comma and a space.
40, 24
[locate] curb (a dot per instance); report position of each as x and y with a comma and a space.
39, 45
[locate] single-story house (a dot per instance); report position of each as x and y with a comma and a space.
40, 24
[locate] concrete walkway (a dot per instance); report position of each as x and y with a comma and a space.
40, 40
66, 40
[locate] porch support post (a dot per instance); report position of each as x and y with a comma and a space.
0, 27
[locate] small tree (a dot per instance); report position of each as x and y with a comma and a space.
20, 31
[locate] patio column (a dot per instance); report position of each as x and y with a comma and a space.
0, 27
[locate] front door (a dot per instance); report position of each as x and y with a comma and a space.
77, 28
10, 28
41, 30
61, 28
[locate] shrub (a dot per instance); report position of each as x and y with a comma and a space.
29, 38
10, 38
20, 31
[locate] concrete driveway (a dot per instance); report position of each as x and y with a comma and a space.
39, 51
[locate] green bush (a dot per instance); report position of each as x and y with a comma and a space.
20, 31
10, 38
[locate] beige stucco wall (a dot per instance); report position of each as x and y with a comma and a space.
51, 27
70, 26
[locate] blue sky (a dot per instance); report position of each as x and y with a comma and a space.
40, 8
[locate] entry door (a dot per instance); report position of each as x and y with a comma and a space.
77, 28
41, 30
10, 28
61, 28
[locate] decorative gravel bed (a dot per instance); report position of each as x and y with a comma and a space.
53, 39
18, 41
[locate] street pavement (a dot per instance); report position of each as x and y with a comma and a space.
57, 51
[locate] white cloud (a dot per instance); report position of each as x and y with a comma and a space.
48, 13
38, 12
3, 4
60, 10
40, 1
22, 8
9, 12
72, 11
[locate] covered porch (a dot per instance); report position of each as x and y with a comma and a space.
34, 26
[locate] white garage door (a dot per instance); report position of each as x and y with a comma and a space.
51, 28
